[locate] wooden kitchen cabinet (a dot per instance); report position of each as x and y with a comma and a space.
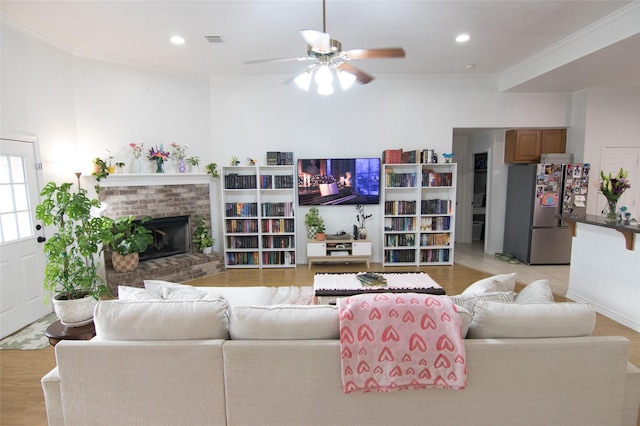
527, 145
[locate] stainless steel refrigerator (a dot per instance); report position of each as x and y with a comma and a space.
536, 195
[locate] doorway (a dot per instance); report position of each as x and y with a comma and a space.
479, 196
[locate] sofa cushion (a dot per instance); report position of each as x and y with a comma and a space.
469, 300
134, 293
495, 320
284, 322
164, 289
465, 319
502, 282
535, 292
161, 319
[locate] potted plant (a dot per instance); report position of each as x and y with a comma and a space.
320, 235
193, 163
212, 169
202, 236
129, 238
100, 171
313, 220
72, 251
119, 166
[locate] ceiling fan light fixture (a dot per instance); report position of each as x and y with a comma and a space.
323, 76
325, 89
346, 79
303, 81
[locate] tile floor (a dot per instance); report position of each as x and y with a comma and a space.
473, 256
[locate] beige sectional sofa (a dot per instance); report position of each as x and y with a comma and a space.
234, 358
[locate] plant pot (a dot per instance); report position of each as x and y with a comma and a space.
321, 236
207, 250
111, 169
75, 312
311, 232
125, 263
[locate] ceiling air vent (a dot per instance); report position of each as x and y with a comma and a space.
214, 39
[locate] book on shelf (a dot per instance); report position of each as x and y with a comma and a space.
392, 156
277, 158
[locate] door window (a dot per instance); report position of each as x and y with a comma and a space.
15, 213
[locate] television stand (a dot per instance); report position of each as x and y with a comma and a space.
338, 251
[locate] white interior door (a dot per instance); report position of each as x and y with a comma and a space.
21, 256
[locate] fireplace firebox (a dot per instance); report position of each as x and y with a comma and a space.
170, 237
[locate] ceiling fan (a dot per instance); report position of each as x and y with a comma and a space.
329, 59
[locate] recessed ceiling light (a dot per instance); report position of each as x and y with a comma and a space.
462, 38
177, 40
470, 66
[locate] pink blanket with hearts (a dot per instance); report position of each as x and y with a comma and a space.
400, 341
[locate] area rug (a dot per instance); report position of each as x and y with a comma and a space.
31, 337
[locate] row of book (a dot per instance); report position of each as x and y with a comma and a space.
369, 279
276, 182
437, 223
241, 210
431, 178
415, 156
399, 207
434, 239
277, 226
242, 242
277, 158
279, 258
241, 226
399, 240
399, 256
399, 223
236, 181
278, 241
434, 255
400, 180
277, 209
436, 206
243, 258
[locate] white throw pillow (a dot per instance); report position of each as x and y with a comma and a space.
535, 292
468, 301
161, 320
465, 319
284, 322
495, 320
173, 291
134, 293
502, 282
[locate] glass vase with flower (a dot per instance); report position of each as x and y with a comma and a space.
612, 187
136, 166
159, 155
180, 152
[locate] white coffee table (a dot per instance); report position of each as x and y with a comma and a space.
328, 287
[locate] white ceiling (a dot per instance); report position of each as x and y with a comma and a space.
525, 45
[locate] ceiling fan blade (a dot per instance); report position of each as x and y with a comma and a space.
262, 61
391, 52
317, 40
361, 76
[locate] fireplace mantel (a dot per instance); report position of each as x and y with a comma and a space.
149, 179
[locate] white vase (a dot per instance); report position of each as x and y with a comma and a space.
76, 312
207, 250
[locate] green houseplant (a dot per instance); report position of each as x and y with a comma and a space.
212, 169
314, 221
202, 236
129, 238
73, 250
100, 171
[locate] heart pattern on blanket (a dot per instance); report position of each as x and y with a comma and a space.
400, 341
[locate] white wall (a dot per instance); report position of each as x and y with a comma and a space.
612, 119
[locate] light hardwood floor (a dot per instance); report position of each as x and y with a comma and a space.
22, 401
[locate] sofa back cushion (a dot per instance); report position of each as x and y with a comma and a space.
496, 320
284, 322
161, 319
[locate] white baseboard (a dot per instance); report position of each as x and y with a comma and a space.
606, 312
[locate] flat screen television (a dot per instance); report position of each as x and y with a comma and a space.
338, 181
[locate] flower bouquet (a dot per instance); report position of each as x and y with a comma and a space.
180, 152
137, 149
612, 187
159, 155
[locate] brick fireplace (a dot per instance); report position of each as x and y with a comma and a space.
160, 197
